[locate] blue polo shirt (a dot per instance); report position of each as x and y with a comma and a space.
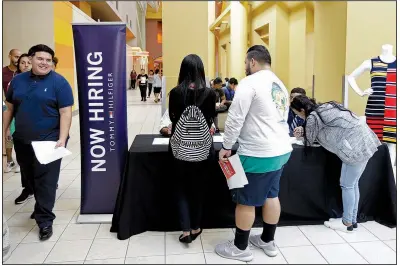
37, 100
229, 94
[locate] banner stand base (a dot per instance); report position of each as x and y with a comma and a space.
94, 218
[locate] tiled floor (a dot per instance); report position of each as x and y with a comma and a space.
74, 243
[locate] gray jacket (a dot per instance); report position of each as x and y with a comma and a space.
349, 137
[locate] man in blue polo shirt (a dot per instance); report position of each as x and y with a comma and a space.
41, 102
230, 91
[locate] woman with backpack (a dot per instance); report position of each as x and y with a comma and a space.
341, 132
191, 109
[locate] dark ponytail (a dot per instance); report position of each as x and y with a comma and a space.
302, 102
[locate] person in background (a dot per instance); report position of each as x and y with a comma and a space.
157, 86
212, 83
341, 132
295, 121
166, 125
6, 230
257, 120
24, 65
226, 82
40, 95
8, 73
10, 70
150, 81
55, 63
220, 99
133, 79
230, 91
142, 79
191, 163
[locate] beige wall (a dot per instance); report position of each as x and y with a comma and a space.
297, 49
238, 39
369, 26
183, 35
330, 49
310, 49
18, 29
211, 41
280, 60
278, 46
260, 18
224, 54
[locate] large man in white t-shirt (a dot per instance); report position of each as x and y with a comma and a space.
257, 119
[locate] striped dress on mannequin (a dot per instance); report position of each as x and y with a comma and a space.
381, 106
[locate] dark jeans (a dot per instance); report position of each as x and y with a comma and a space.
150, 87
42, 178
133, 83
189, 193
143, 91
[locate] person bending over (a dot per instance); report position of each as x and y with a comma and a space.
341, 132
295, 121
257, 119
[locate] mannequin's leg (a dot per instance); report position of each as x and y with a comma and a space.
392, 150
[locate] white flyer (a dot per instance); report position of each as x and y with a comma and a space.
46, 151
161, 141
234, 172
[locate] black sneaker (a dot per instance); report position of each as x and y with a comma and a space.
23, 197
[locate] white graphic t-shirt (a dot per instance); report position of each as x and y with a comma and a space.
258, 115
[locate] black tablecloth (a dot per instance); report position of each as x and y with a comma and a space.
309, 191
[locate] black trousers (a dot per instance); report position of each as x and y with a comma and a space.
133, 83
189, 193
143, 89
42, 178
150, 87
25, 183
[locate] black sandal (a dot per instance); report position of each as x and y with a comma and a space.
185, 239
194, 236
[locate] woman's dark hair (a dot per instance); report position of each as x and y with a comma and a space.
41, 48
19, 61
191, 73
309, 105
157, 71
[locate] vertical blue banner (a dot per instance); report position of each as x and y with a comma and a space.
100, 56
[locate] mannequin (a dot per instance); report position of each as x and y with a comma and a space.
381, 107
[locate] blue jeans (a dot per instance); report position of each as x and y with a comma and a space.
349, 179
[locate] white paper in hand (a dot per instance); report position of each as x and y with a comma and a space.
234, 172
46, 152
218, 139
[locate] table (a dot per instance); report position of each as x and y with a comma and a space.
309, 191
